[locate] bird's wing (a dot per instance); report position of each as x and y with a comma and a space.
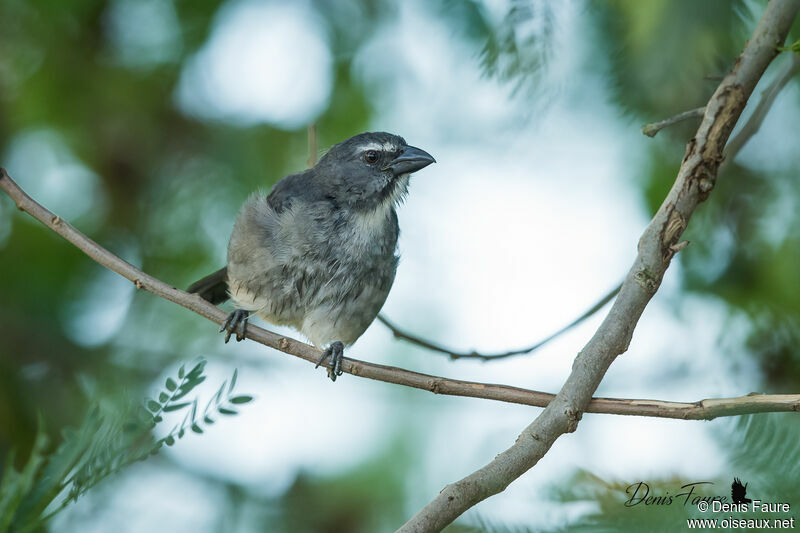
272, 229
292, 188
255, 234
303, 216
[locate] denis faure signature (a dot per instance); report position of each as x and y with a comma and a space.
640, 494
689, 494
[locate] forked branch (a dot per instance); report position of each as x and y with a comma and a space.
695, 181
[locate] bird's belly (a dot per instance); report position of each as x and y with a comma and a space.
325, 302
343, 315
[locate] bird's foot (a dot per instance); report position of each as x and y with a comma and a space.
235, 323
336, 352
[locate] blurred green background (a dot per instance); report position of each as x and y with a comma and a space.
96, 124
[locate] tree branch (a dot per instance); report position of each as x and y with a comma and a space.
651, 129
699, 410
735, 144
696, 178
419, 341
312, 144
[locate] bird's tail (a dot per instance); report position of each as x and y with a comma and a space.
213, 287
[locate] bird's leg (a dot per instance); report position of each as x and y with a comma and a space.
335, 351
235, 323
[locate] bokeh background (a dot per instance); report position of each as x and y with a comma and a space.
146, 123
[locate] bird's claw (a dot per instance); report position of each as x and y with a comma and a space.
235, 323
336, 352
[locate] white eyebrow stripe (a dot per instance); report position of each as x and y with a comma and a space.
387, 146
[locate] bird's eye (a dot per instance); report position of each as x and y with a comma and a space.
371, 156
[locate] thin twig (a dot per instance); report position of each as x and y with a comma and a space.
312, 144
702, 409
694, 182
753, 124
735, 144
651, 129
419, 341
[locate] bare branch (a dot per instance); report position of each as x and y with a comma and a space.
750, 128
702, 409
651, 129
735, 144
430, 345
695, 180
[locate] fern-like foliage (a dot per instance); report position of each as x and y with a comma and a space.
110, 438
16, 485
760, 449
519, 48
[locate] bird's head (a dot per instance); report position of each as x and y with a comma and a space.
370, 170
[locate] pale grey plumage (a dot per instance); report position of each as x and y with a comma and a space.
312, 267
318, 252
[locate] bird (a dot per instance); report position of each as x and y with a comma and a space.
739, 491
318, 253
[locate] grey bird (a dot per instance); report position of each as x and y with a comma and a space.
318, 252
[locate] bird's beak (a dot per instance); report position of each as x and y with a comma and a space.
410, 160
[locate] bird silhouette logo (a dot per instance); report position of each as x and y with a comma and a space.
739, 491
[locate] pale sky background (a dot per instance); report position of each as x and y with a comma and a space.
530, 215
